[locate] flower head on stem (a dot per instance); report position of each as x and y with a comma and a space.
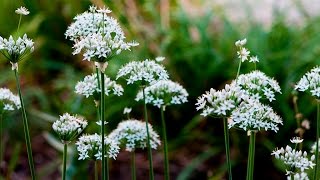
8, 101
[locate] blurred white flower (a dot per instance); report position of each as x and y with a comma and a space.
22, 11
90, 147
127, 110
164, 93
68, 127
243, 54
311, 82
147, 71
133, 134
296, 140
160, 58
298, 176
241, 43
8, 101
314, 147
254, 59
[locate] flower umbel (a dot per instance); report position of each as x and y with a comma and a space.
164, 93
89, 87
146, 71
313, 148
90, 146
22, 11
68, 127
8, 101
133, 134
310, 82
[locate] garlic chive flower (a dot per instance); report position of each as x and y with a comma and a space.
22, 11
310, 82
296, 140
294, 160
89, 87
241, 43
127, 110
97, 35
90, 146
313, 148
254, 116
257, 85
8, 101
146, 71
16, 50
133, 134
220, 103
164, 93
68, 127
298, 176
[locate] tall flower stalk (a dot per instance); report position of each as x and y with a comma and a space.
251, 153
227, 145
316, 171
165, 145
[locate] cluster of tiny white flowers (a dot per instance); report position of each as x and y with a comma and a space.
133, 134
164, 93
68, 127
127, 110
220, 103
90, 147
97, 35
8, 100
253, 115
310, 81
22, 11
258, 85
298, 176
314, 147
294, 158
145, 71
16, 50
89, 86
296, 140
243, 53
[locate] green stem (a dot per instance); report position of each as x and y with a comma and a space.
316, 169
250, 167
102, 106
19, 24
227, 145
96, 174
133, 166
2, 140
148, 137
165, 146
26, 128
65, 151
238, 72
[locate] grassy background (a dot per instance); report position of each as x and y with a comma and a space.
200, 54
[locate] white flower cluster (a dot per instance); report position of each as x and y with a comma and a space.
243, 53
89, 86
133, 134
310, 81
16, 50
298, 176
220, 103
97, 35
294, 159
90, 147
22, 11
253, 115
164, 93
68, 127
258, 85
8, 101
146, 71
314, 147
296, 140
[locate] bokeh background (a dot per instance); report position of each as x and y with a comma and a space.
197, 38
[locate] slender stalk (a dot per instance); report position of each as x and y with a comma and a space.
96, 174
19, 23
148, 137
102, 106
165, 146
227, 145
65, 150
250, 167
316, 169
238, 72
26, 128
1, 142
133, 166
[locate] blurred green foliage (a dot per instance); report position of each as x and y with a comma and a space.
200, 54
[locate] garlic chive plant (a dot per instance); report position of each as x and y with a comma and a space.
68, 128
311, 82
144, 73
162, 94
296, 161
99, 37
15, 50
8, 102
132, 134
90, 147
